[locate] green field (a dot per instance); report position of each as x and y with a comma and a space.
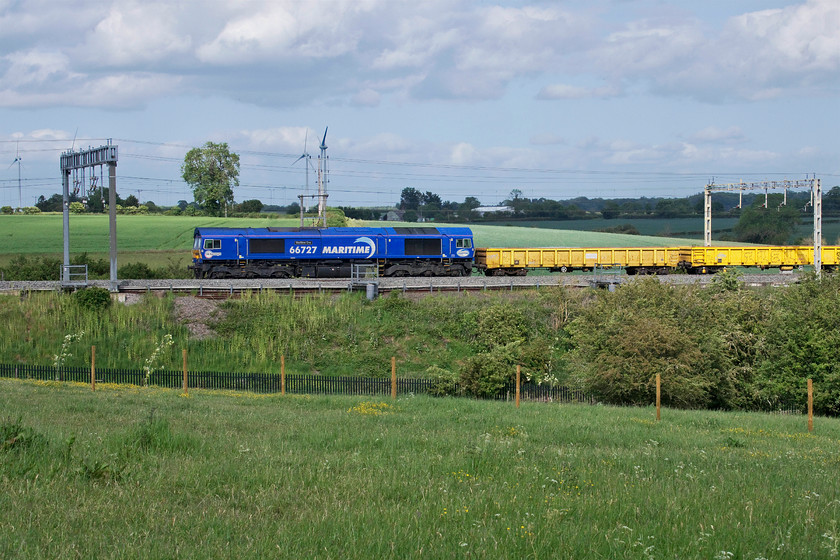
162, 240
677, 228
148, 473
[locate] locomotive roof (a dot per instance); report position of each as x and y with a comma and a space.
210, 231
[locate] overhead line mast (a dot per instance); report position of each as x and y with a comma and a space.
816, 202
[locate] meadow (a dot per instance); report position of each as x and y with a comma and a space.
151, 473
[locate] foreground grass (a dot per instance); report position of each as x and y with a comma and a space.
147, 473
345, 335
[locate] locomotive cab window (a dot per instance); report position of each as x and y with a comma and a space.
463, 243
212, 243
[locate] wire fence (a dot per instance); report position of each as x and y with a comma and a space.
293, 383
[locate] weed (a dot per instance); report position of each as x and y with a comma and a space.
14, 435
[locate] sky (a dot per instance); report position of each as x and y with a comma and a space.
558, 99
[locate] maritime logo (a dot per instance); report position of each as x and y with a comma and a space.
370, 243
369, 247
211, 254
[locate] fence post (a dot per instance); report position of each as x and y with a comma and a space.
93, 368
658, 396
810, 405
282, 374
184, 352
393, 378
518, 373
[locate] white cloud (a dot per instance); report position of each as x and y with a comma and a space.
564, 91
43, 78
464, 153
285, 138
133, 33
757, 55
285, 29
367, 98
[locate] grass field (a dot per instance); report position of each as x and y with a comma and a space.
679, 228
163, 240
148, 473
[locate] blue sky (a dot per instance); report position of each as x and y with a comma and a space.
556, 99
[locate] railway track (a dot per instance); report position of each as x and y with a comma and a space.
220, 289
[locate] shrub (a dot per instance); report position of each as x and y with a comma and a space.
97, 268
22, 268
444, 382
95, 299
625, 338
486, 375
7, 210
499, 325
136, 271
31, 210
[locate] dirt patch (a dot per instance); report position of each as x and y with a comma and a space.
197, 314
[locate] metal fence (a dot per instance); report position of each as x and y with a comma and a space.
270, 382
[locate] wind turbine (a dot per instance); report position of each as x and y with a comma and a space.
306, 157
17, 161
307, 162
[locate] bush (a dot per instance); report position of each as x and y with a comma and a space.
31, 210
499, 325
444, 382
95, 299
625, 338
22, 268
136, 271
486, 375
7, 210
97, 268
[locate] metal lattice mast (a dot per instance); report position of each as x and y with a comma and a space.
72, 161
816, 202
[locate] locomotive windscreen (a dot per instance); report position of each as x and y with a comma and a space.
422, 247
267, 245
416, 231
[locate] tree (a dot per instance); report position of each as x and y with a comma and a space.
293, 209
410, 199
212, 171
131, 200
467, 209
772, 225
253, 206
432, 200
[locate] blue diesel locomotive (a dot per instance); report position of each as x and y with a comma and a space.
276, 252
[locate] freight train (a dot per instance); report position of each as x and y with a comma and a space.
448, 251
649, 260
